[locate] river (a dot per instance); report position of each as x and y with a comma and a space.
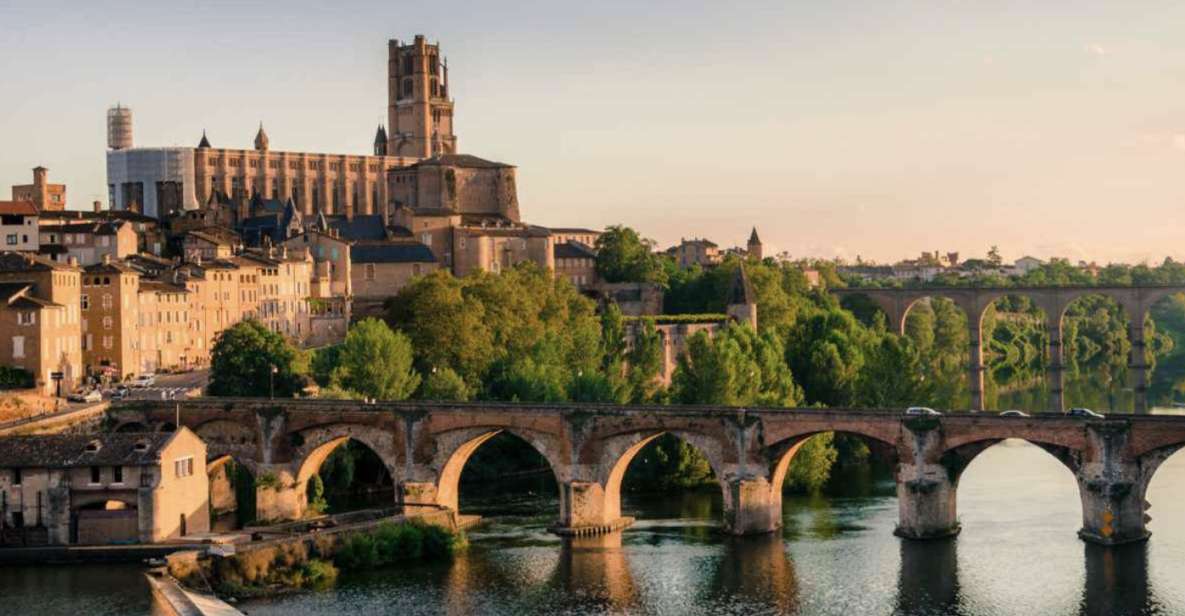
1018, 554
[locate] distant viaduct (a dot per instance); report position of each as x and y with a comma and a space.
1135, 301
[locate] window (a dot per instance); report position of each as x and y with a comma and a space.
116, 474
370, 271
26, 318
183, 467
16, 476
11, 239
426, 239
96, 476
18, 347
106, 299
407, 88
106, 322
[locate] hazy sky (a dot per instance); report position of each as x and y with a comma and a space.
837, 128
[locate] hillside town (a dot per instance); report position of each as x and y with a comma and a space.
388, 312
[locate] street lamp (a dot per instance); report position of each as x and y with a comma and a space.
271, 381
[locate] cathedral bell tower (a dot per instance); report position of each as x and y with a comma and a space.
419, 110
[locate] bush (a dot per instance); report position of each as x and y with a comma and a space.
391, 543
15, 378
319, 574
438, 543
358, 552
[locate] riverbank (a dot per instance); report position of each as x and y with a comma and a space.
309, 558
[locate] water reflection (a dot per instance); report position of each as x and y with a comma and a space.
1117, 581
758, 569
928, 579
596, 570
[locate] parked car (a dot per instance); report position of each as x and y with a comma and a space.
1014, 413
1083, 412
921, 410
120, 393
144, 380
92, 395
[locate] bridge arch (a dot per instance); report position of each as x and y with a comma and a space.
781, 453
317, 443
454, 448
619, 450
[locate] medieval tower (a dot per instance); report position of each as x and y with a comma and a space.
419, 111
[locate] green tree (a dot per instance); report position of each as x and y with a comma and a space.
244, 358
445, 384
622, 256
735, 367
376, 362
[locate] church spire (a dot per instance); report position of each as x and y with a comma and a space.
261, 141
380, 141
204, 143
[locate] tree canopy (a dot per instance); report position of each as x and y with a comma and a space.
244, 357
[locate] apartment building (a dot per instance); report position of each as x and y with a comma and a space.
164, 325
40, 329
18, 226
110, 319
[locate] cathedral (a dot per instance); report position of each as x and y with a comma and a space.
415, 188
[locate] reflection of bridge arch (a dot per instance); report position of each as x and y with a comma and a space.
1136, 302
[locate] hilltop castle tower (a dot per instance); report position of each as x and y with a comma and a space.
755, 249
419, 111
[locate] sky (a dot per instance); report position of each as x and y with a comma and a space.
838, 129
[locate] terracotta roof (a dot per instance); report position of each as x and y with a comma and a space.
18, 208
74, 450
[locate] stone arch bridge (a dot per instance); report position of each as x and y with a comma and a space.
425, 446
1135, 301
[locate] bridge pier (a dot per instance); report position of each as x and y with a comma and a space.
751, 506
1137, 365
926, 497
1055, 372
278, 494
975, 376
1112, 486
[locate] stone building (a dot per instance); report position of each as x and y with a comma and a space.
576, 263
380, 270
89, 242
102, 488
149, 235
18, 226
165, 339
39, 320
701, 252
110, 319
44, 196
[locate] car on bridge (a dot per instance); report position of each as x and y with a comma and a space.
1083, 412
921, 410
1014, 413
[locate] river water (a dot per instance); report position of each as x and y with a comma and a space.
1018, 554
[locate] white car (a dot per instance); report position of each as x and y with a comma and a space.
93, 395
921, 410
144, 380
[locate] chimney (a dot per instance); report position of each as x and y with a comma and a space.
107, 259
98, 206
72, 260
